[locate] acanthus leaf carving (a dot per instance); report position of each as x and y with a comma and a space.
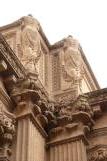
7, 131
99, 155
82, 104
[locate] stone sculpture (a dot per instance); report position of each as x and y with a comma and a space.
30, 43
71, 60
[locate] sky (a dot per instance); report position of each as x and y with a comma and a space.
85, 20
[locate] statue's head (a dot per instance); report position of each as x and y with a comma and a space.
30, 21
71, 42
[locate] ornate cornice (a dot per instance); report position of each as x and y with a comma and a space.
95, 147
98, 132
29, 97
97, 97
89, 67
11, 59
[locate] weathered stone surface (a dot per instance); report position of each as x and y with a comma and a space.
51, 106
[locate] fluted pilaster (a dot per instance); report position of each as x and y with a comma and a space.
30, 143
72, 151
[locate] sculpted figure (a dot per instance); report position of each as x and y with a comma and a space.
71, 60
30, 43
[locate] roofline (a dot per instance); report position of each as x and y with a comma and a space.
18, 22
96, 92
89, 67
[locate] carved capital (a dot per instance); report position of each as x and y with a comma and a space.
7, 132
81, 104
99, 155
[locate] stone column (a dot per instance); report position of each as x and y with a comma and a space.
68, 143
68, 140
30, 145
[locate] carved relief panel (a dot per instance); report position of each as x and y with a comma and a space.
26, 41
71, 64
67, 69
31, 45
34, 57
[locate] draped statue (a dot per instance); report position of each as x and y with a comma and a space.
71, 60
31, 45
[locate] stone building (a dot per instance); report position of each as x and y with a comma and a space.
51, 106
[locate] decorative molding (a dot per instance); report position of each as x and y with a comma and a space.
97, 97
68, 140
93, 148
10, 58
55, 72
66, 96
99, 153
98, 132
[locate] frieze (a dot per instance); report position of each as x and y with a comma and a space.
67, 96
